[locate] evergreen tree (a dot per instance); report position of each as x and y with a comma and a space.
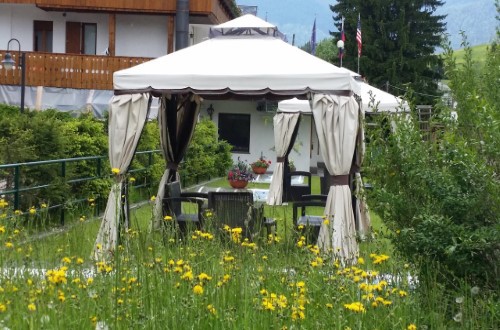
399, 40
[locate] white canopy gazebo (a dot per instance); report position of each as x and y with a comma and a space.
246, 58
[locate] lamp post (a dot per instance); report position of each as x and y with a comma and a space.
210, 111
8, 63
340, 46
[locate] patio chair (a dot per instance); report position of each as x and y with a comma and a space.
237, 209
295, 191
173, 206
306, 215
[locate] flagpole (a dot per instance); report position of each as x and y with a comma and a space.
358, 38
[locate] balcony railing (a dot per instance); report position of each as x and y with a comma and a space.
68, 70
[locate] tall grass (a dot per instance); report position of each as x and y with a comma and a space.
214, 280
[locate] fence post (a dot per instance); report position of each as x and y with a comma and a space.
17, 174
63, 175
98, 199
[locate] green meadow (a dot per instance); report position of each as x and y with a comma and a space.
215, 279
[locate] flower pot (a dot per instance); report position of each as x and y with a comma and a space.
259, 170
238, 184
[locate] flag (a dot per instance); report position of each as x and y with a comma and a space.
313, 39
342, 37
358, 36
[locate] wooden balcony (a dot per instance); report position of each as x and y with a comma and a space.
68, 70
201, 11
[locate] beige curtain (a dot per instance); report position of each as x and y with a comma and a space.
364, 224
336, 120
284, 127
177, 118
127, 116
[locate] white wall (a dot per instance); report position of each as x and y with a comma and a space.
141, 35
17, 21
262, 132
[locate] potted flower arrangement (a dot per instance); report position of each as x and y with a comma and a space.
260, 166
239, 175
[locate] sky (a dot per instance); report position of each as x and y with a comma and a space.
294, 17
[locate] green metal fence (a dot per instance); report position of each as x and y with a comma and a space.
12, 188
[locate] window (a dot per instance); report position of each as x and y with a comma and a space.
81, 38
235, 129
42, 36
89, 38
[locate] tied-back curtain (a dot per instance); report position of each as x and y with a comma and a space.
127, 116
364, 224
284, 128
177, 118
336, 120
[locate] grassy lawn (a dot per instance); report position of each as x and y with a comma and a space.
211, 280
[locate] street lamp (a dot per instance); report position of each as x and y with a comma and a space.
340, 46
8, 63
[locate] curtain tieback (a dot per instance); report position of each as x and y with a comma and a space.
355, 169
280, 159
172, 166
339, 180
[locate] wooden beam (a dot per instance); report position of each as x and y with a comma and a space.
170, 33
112, 34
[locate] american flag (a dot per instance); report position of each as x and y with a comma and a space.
358, 36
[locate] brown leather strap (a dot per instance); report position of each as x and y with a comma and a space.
339, 180
172, 166
280, 159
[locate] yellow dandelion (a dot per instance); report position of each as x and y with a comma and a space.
3, 203
326, 221
198, 289
167, 218
355, 307
188, 276
411, 327
2, 229
204, 277
3, 308
9, 245
153, 198
212, 309
31, 307
32, 210
329, 305
115, 171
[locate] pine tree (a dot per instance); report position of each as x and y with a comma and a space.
399, 41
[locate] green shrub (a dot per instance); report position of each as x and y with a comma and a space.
441, 197
206, 157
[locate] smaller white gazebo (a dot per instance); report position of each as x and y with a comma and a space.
373, 100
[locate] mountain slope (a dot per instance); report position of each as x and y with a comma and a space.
296, 17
